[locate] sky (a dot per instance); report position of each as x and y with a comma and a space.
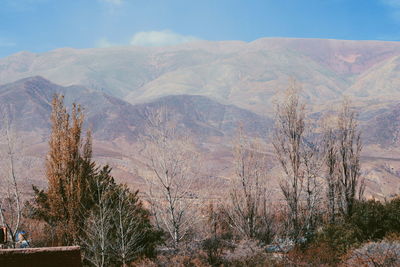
43, 25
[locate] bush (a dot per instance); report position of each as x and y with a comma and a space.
315, 254
339, 237
375, 220
214, 248
327, 247
371, 219
384, 253
248, 253
393, 215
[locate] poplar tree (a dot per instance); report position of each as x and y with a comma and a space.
70, 172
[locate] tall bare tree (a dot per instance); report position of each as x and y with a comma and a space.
171, 159
248, 209
331, 161
10, 205
349, 151
288, 141
312, 164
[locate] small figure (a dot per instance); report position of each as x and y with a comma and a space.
22, 242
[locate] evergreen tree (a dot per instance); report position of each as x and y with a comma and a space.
118, 228
96, 239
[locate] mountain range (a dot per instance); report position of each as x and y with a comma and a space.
209, 88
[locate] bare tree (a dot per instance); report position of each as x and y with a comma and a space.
288, 141
117, 226
248, 210
128, 237
171, 159
98, 226
349, 151
10, 206
331, 160
312, 164
342, 148
299, 155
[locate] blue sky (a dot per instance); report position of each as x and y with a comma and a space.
42, 25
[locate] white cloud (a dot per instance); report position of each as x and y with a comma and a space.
150, 38
160, 38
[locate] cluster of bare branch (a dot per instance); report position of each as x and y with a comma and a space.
288, 141
173, 164
342, 146
10, 206
248, 210
98, 226
117, 228
128, 240
313, 187
310, 165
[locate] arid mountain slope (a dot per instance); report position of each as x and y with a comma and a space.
248, 75
384, 129
116, 124
28, 101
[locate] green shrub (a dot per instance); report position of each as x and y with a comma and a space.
339, 238
371, 219
393, 216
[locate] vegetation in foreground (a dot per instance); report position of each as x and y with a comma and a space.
321, 220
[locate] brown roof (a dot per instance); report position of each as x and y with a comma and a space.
43, 257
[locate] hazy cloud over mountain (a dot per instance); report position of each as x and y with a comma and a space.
161, 38
104, 42
150, 38
42, 25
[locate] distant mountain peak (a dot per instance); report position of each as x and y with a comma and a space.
248, 75
34, 79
